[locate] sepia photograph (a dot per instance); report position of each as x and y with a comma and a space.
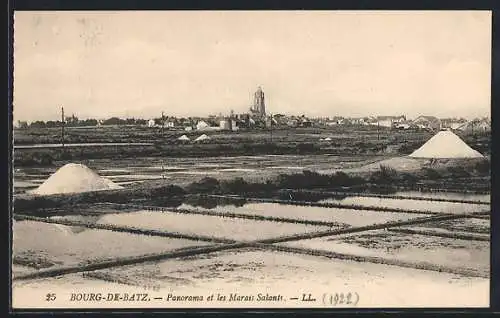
251, 159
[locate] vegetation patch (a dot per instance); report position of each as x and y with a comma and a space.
432, 174
386, 180
207, 185
386, 175
34, 259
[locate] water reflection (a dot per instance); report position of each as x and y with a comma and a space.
419, 205
172, 202
212, 203
92, 212
308, 196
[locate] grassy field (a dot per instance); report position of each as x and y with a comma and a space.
145, 134
344, 140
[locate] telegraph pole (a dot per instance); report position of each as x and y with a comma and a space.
162, 124
62, 127
162, 134
271, 128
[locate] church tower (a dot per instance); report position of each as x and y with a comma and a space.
259, 103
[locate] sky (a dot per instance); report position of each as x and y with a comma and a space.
195, 63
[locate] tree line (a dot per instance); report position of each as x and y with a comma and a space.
74, 121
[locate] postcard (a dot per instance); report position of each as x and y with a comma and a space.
251, 159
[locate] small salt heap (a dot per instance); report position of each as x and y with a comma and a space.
74, 178
202, 137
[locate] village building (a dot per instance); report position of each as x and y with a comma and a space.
389, 121
371, 121
452, 123
478, 125
356, 121
225, 124
305, 122
427, 122
384, 121
201, 125
151, 123
234, 125
344, 121
280, 120
293, 123
362, 121
240, 124
407, 124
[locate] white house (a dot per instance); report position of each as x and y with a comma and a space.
404, 125
389, 121
225, 124
234, 125
202, 125
385, 122
151, 123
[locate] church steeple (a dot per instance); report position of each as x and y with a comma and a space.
259, 103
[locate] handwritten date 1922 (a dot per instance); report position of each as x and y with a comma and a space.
341, 299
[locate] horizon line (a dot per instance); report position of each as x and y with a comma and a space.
244, 113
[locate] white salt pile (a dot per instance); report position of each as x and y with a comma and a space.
183, 137
445, 145
74, 178
202, 137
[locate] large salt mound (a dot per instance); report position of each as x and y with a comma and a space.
74, 178
445, 145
